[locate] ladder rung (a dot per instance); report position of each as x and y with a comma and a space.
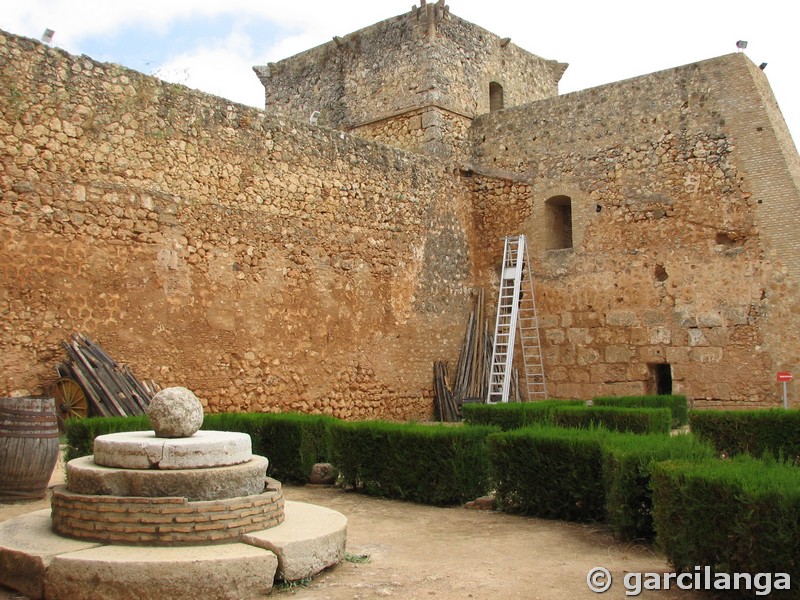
516, 310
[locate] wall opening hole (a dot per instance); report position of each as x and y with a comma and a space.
661, 274
495, 96
558, 220
661, 378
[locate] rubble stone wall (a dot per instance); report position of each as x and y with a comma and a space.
265, 264
673, 260
427, 63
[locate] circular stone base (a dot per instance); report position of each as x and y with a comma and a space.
213, 483
164, 521
41, 564
143, 450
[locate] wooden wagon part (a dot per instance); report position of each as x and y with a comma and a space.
70, 400
92, 383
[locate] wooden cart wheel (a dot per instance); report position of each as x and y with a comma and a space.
70, 401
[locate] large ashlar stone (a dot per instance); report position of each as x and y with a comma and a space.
214, 483
224, 571
310, 539
175, 412
27, 547
144, 450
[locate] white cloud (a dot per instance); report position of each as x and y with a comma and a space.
224, 69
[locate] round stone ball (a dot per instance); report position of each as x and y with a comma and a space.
175, 412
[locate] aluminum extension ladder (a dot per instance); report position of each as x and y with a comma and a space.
516, 310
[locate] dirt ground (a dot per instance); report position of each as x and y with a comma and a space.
423, 552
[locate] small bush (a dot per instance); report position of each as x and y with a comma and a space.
775, 432
549, 472
437, 465
677, 405
736, 516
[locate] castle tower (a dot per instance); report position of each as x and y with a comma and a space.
415, 81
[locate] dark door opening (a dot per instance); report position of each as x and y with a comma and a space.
662, 374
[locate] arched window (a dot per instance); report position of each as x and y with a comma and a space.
558, 220
495, 96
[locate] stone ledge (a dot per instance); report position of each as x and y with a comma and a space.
122, 572
213, 483
27, 547
143, 450
310, 539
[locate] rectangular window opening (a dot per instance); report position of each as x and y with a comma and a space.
661, 378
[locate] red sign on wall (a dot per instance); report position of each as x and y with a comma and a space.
784, 376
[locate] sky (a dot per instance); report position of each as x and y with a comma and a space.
212, 45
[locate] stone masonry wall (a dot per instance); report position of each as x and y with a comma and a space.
377, 80
265, 264
433, 131
672, 261
351, 80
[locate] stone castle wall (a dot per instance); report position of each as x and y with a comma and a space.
426, 65
672, 259
269, 264
262, 263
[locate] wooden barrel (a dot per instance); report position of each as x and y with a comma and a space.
28, 446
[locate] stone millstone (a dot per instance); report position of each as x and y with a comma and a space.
175, 412
145, 450
211, 483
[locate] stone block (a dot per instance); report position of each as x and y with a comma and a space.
707, 354
618, 354
659, 335
587, 356
225, 571
414, 123
677, 355
652, 354
310, 539
621, 318
27, 547
653, 318
710, 319
697, 337
684, 317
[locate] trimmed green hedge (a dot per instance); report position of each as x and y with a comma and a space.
736, 516
293, 442
584, 475
627, 462
434, 464
568, 413
549, 472
775, 432
676, 403
631, 420
513, 415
